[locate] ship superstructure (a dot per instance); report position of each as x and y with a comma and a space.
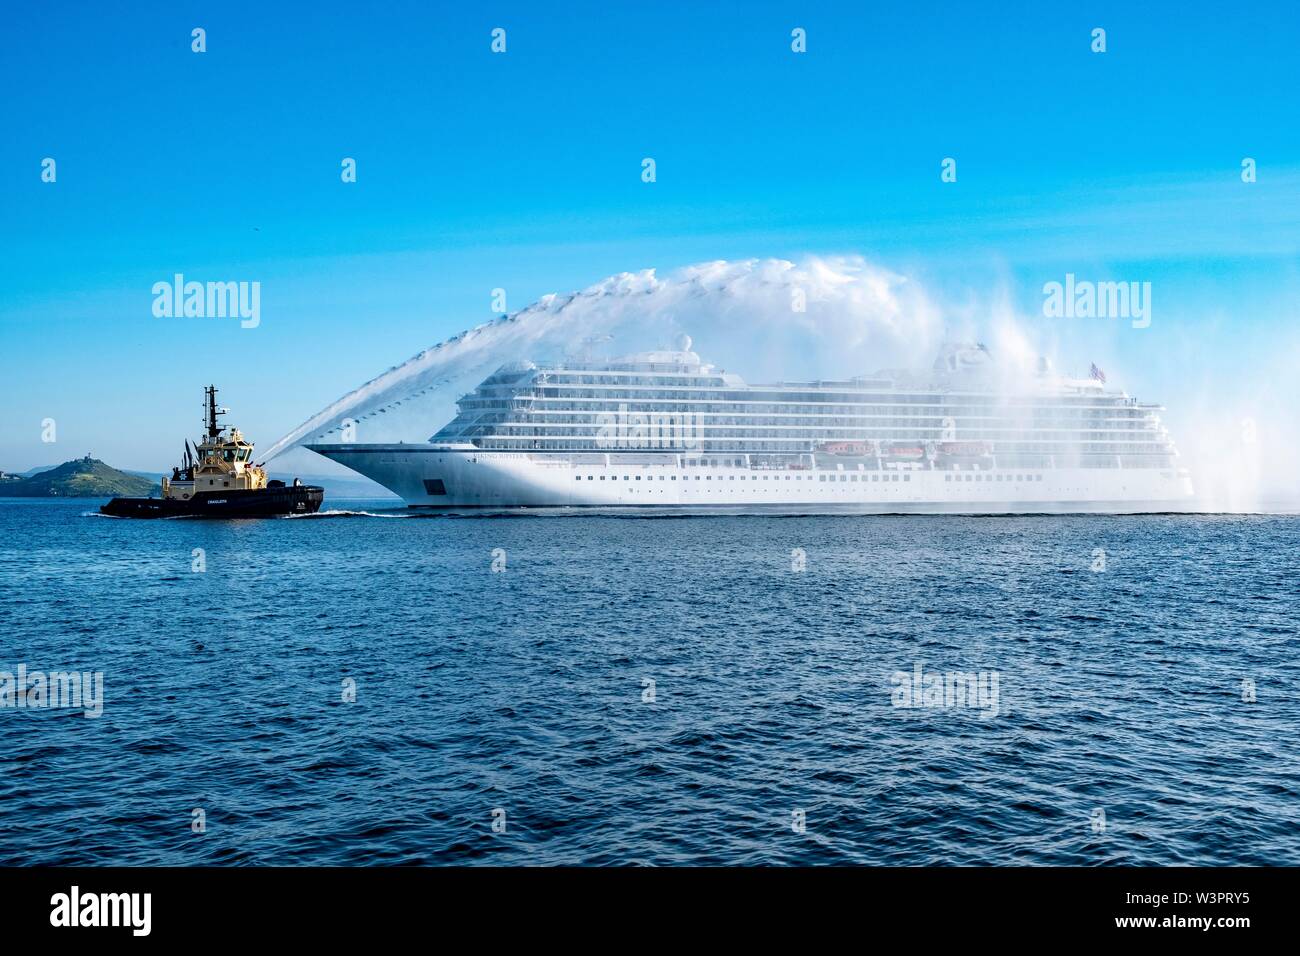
665, 429
220, 461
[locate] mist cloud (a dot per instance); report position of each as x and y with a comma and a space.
764, 318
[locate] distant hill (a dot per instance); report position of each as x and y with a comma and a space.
336, 486
80, 478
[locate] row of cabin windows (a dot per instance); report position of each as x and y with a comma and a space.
696, 477
842, 476
605, 399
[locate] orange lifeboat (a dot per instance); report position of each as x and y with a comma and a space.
901, 452
849, 448
965, 449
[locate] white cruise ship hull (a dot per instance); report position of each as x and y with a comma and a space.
462, 478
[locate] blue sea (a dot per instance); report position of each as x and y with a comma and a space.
372, 686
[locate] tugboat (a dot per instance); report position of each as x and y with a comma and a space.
218, 479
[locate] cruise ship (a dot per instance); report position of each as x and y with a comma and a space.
665, 430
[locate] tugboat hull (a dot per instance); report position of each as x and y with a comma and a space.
242, 503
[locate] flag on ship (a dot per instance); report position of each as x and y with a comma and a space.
1097, 373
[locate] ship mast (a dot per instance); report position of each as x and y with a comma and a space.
214, 430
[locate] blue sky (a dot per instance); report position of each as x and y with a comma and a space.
522, 171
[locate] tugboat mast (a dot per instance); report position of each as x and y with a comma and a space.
214, 430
